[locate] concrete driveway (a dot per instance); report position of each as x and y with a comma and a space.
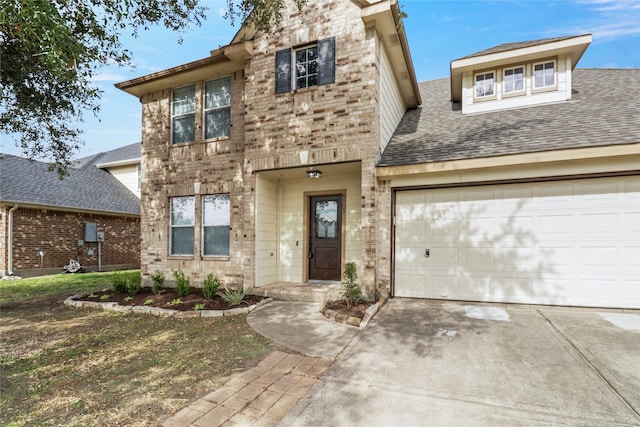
432, 363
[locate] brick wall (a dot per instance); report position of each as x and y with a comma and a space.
57, 234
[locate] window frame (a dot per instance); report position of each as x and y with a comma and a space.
475, 86
172, 226
504, 80
206, 110
555, 75
295, 62
178, 116
204, 226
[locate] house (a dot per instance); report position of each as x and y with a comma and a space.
278, 158
90, 215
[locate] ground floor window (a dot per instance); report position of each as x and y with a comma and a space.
182, 225
216, 215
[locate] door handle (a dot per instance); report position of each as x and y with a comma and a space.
310, 253
426, 253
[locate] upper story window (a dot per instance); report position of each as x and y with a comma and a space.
485, 84
307, 66
216, 220
544, 74
513, 79
183, 216
217, 108
183, 114
314, 65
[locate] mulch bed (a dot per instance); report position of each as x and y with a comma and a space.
164, 299
354, 311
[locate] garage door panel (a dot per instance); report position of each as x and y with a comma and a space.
568, 242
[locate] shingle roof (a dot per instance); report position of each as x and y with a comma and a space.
129, 152
85, 188
603, 111
504, 47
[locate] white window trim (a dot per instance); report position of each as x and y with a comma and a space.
203, 226
495, 85
183, 115
171, 227
555, 75
295, 63
524, 81
205, 110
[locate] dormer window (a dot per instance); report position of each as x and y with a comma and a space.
485, 84
544, 74
513, 80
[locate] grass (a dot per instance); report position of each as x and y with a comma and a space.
63, 366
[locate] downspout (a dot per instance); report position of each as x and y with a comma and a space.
10, 242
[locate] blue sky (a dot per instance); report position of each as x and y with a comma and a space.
438, 32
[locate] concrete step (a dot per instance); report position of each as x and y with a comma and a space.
302, 292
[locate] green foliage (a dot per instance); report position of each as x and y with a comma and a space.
158, 282
148, 301
351, 292
134, 283
52, 51
129, 298
198, 307
183, 283
176, 301
210, 286
233, 296
105, 296
119, 283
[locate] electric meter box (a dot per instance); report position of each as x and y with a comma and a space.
100, 236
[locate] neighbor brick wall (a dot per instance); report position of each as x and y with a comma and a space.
57, 234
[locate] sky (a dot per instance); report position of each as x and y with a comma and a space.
438, 32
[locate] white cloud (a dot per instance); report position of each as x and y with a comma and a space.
107, 76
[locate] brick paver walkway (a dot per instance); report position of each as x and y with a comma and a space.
261, 396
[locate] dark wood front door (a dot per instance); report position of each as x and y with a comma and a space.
325, 237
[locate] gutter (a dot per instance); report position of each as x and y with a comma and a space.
10, 242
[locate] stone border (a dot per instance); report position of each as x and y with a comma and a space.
350, 320
161, 312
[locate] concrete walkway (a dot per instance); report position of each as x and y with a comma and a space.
264, 395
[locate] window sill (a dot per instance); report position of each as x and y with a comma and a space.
217, 139
215, 257
183, 257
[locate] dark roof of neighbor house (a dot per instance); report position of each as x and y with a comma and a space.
128, 153
86, 188
504, 47
602, 112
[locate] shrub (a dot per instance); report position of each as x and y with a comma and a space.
351, 292
134, 283
119, 283
158, 282
210, 287
183, 283
233, 296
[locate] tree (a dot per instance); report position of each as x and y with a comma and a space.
51, 49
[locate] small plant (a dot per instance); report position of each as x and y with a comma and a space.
92, 295
176, 301
232, 296
183, 283
148, 301
134, 283
351, 292
129, 298
119, 283
198, 307
105, 296
158, 282
210, 286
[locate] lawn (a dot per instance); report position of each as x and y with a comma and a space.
73, 367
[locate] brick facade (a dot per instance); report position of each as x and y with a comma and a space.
333, 123
56, 233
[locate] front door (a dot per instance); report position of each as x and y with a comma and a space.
325, 237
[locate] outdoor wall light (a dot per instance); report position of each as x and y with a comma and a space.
314, 174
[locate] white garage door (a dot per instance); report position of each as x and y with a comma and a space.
563, 242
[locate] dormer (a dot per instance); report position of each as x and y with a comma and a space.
514, 75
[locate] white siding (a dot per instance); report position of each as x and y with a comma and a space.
391, 106
266, 232
127, 175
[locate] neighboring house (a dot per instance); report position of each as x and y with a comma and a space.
278, 158
123, 163
45, 221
